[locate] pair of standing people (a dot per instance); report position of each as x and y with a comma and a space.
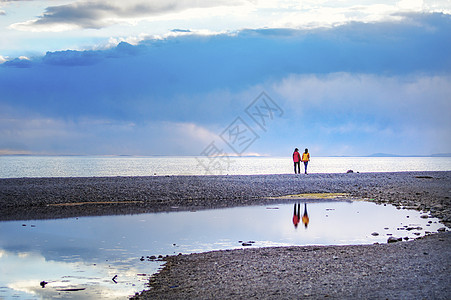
297, 158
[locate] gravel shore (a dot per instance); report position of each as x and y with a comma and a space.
410, 270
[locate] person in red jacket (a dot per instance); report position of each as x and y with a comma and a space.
297, 161
305, 159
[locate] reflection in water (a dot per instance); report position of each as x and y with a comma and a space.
88, 252
305, 218
297, 214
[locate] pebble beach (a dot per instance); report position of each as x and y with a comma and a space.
409, 270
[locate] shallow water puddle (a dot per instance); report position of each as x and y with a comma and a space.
113, 256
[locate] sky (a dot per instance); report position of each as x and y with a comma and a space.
225, 77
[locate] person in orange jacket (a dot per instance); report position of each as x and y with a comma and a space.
297, 161
305, 159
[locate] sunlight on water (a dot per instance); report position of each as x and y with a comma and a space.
86, 253
88, 166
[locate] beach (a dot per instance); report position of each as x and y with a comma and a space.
412, 269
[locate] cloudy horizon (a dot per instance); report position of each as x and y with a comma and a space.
358, 78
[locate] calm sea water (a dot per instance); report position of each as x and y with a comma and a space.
88, 166
86, 252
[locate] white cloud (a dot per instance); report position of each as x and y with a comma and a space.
222, 15
96, 14
35, 134
409, 113
369, 91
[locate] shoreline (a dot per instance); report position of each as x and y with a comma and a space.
64, 197
411, 270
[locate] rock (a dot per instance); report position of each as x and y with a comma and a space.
246, 244
349, 171
375, 234
424, 216
393, 239
441, 229
43, 283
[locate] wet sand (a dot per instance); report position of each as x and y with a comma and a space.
413, 269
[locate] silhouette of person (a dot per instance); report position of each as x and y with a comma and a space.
305, 218
297, 161
296, 215
305, 159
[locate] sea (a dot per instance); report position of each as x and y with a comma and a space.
104, 166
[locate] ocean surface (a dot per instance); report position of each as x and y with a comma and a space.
97, 166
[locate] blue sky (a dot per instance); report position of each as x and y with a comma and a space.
171, 77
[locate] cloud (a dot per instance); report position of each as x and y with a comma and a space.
21, 62
96, 14
372, 86
40, 135
368, 110
223, 15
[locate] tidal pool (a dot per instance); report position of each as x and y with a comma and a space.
111, 257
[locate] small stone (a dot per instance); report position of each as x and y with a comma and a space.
375, 234
246, 244
393, 240
349, 171
441, 229
424, 216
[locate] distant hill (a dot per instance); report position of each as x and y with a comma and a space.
441, 155
396, 155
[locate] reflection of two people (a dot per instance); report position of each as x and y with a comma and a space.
297, 215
